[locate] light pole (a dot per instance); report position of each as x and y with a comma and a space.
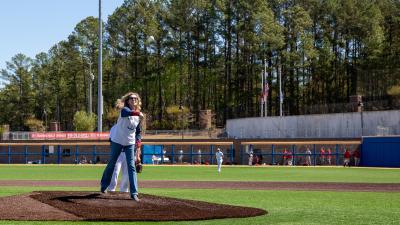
45, 119
265, 89
361, 105
181, 109
100, 78
90, 80
280, 90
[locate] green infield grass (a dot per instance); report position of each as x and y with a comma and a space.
284, 207
208, 173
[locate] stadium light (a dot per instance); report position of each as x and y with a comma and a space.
361, 105
90, 81
181, 109
45, 119
280, 90
100, 79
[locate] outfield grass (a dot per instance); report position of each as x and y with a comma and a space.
207, 173
284, 207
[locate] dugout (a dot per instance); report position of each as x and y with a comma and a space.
185, 152
381, 151
294, 153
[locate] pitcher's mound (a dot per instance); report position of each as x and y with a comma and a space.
113, 206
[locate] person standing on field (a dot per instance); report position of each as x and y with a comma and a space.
220, 156
346, 158
124, 139
322, 155
180, 158
199, 156
308, 157
329, 156
251, 158
356, 156
289, 158
285, 157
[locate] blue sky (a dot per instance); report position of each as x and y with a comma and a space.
33, 26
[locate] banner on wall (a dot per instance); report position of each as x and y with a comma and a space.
69, 136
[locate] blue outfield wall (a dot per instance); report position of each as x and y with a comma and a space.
149, 151
381, 151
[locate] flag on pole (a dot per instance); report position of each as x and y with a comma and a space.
266, 89
264, 92
262, 97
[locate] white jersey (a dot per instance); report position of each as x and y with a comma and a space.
219, 155
124, 131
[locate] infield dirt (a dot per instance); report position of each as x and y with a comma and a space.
113, 206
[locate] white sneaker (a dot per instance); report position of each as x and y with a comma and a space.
136, 198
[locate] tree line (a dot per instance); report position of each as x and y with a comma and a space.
210, 55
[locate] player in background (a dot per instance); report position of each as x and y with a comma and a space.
220, 156
346, 158
199, 157
180, 158
356, 156
308, 157
251, 155
289, 158
329, 156
120, 166
285, 157
322, 156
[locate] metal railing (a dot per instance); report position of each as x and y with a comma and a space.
266, 153
292, 153
99, 152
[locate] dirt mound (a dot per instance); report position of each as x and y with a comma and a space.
114, 206
23, 207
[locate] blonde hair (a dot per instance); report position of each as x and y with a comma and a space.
123, 101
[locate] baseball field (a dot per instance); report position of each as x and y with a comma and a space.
290, 195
